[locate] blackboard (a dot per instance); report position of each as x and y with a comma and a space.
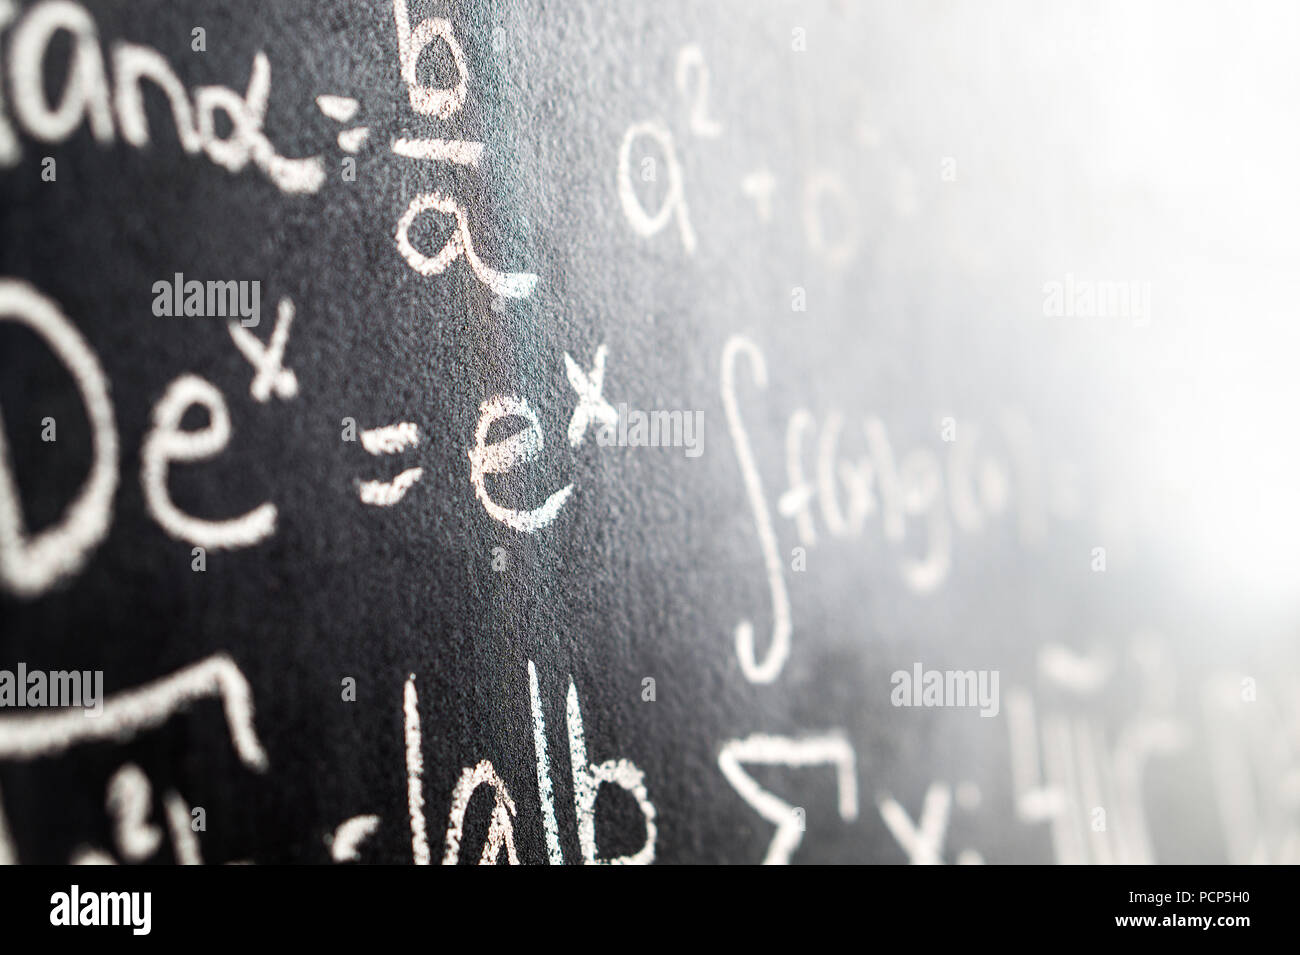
882, 585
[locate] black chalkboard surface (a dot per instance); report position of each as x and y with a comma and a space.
459, 431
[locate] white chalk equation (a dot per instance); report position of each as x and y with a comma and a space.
106, 94
499, 844
30, 564
442, 103
810, 473
841, 494
591, 410
823, 202
1087, 785
127, 715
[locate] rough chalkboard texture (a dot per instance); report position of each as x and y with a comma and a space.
738, 214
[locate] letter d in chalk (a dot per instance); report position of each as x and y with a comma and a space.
32, 563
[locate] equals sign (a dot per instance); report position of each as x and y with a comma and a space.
389, 439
